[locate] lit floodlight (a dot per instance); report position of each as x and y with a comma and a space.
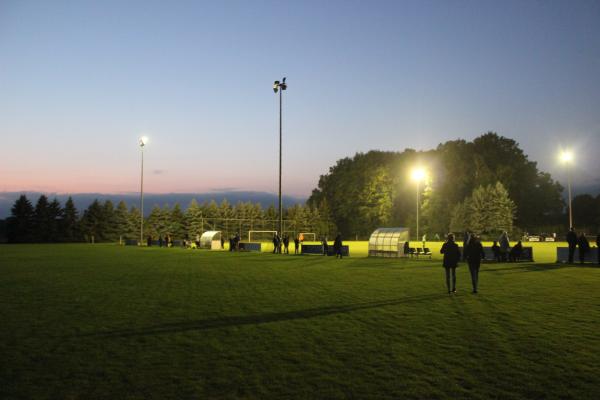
143, 140
566, 156
275, 86
418, 174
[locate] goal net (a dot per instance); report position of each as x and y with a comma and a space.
261, 236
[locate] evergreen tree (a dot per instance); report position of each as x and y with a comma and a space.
20, 224
109, 230
176, 222
194, 220
69, 223
134, 224
41, 220
54, 228
155, 225
121, 222
92, 224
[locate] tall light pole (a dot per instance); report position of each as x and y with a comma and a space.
142, 142
417, 175
280, 87
567, 157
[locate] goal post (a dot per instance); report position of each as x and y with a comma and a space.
261, 236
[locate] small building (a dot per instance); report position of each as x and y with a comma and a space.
211, 240
388, 242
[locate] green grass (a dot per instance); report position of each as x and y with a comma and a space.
87, 322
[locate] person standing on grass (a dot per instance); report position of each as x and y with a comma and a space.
584, 247
496, 251
475, 254
296, 244
286, 244
572, 242
451, 254
466, 237
504, 246
160, 241
325, 246
337, 246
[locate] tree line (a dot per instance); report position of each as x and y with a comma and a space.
486, 185
48, 221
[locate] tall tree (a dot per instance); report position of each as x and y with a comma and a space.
70, 222
41, 220
20, 224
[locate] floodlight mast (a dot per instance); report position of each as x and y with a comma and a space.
567, 157
280, 87
417, 175
142, 142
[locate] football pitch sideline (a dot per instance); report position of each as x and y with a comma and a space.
110, 322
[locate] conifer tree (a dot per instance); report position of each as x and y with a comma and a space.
69, 224
41, 220
20, 224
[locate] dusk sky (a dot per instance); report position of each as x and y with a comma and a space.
81, 81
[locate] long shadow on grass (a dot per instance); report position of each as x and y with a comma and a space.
236, 321
532, 267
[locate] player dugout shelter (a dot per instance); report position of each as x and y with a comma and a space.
388, 242
211, 240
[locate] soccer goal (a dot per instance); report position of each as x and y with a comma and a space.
307, 236
261, 236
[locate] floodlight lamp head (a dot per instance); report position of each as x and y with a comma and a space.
275, 86
418, 174
566, 157
143, 140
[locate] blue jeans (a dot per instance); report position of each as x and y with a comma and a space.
474, 269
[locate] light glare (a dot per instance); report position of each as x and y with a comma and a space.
566, 156
418, 174
143, 140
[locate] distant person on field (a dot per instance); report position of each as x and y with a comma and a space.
496, 251
504, 246
337, 246
466, 237
301, 238
572, 242
516, 252
296, 244
222, 242
325, 246
406, 249
424, 239
160, 241
584, 247
149, 241
286, 244
475, 253
451, 254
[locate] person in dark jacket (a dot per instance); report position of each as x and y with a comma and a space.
466, 238
286, 244
337, 246
296, 244
516, 252
504, 246
572, 242
474, 253
406, 249
451, 254
584, 247
325, 246
496, 251
160, 241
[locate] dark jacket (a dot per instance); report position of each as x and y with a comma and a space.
474, 252
451, 254
583, 243
337, 243
572, 238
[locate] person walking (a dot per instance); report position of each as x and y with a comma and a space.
584, 247
504, 246
337, 246
475, 254
325, 246
451, 254
160, 241
466, 237
572, 242
296, 244
496, 251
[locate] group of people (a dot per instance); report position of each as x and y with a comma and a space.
337, 246
167, 241
582, 244
284, 242
472, 253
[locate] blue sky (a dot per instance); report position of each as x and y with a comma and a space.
80, 81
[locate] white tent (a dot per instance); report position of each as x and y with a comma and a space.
388, 242
211, 240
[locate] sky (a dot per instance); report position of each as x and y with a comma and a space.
80, 81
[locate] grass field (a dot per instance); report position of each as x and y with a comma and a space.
109, 322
